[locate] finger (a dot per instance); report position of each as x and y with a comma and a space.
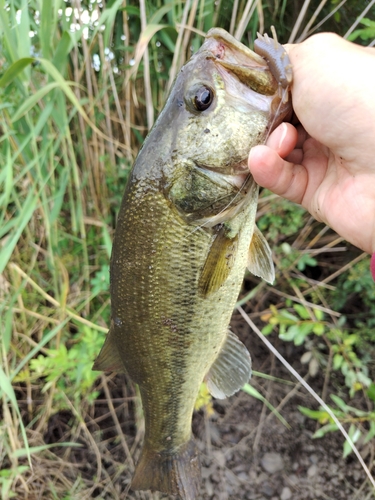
283, 139
296, 156
282, 177
302, 136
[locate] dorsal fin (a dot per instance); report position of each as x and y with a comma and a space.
230, 370
260, 260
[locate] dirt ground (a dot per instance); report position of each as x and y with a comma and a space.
246, 452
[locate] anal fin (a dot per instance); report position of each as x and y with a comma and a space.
260, 260
230, 370
109, 358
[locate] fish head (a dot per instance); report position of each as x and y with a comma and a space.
229, 101
225, 100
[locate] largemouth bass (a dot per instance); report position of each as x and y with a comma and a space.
184, 237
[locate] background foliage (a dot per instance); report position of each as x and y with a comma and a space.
80, 85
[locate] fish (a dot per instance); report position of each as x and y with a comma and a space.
185, 235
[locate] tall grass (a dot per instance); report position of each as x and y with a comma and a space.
80, 85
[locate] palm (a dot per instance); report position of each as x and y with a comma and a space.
338, 196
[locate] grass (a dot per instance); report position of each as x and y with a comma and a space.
77, 98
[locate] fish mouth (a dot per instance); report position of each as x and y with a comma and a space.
233, 56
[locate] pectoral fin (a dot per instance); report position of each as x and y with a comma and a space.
260, 260
109, 359
231, 369
219, 262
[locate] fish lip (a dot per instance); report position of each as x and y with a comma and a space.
232, 56
236, 46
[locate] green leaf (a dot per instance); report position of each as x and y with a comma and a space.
22, 220
306, 327
36, 449
130, 9
318, 329
107, 240
8, 329
249, 389
351, 340
107, 18
287, 315
302, 311
337, 361
14, 70
331, 427
60, 59
364, 33
143, 42
160, 13
7, 389
46, 26
319, 314
371, 392
24, 44
6, 177
299, 339
354, 435
8, 34
58, 198
306, 260
33, 99
371, 433
340, 403
266, 330
49, 336
320, 415
289, 335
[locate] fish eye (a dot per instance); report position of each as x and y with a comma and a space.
202, 98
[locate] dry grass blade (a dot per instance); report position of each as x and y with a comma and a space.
311, 21
177, 56
244, 20
298, 23
233, 17
117, 424
326, 18
146, 71
188, 29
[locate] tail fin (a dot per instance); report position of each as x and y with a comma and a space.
175, 473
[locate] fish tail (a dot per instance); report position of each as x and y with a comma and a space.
174, 472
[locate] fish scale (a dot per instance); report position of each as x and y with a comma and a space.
162, 345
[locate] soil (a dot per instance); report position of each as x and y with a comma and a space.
246, 452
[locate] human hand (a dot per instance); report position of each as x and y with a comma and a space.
327, 163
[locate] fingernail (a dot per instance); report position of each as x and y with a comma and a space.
284, 131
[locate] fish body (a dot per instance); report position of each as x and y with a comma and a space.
181, 247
